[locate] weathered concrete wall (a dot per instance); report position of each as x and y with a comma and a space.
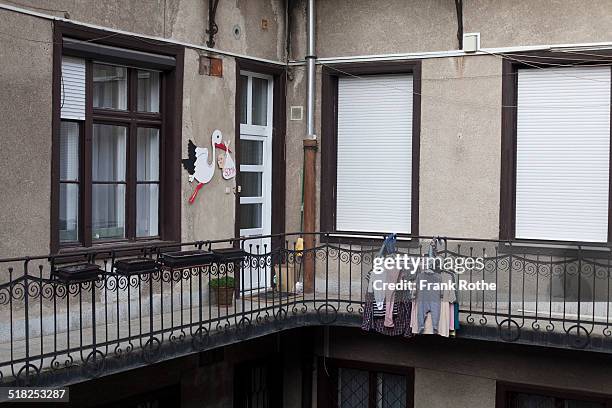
536, 22
462, 373
461, 97
361, 27
460, 147
296, 132
208, 104
185, 20
437, 389
25, 130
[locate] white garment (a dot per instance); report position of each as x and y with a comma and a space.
443, 325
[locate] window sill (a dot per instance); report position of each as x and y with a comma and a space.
367, 239
107, 249
569, 249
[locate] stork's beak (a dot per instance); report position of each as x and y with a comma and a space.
222, 147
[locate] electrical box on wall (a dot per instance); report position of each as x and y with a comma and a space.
471, 42
296, 113
211, 66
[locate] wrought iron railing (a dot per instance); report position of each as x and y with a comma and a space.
60, 322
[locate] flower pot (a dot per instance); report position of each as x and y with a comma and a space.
224, 295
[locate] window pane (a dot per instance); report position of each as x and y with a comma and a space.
251, 184
244, 86
109, 87
147, 162
147, 199
69, 212
250, 216
148, 91
69, 151
391, 391
260, 102
251, 151
354, 388
109, 153
108, 211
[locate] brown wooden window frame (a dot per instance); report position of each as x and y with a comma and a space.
168, 120
506, 391
510, 67
327, 380
329, 138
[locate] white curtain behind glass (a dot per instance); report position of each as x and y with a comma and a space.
108, 165
69, 172
147, 194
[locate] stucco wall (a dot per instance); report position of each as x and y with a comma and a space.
184, 20
462, 373
361, 27
437, 389
460, 147
296, 131
536, 22
25, 130
208, 104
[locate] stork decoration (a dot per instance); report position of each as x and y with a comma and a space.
200, 169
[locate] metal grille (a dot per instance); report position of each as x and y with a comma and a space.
365, 389
353, 389
390, 391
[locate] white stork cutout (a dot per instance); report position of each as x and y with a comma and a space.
197, 164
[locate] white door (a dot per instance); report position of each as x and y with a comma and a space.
256, 173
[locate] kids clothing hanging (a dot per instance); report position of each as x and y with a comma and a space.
386, 311
432, 305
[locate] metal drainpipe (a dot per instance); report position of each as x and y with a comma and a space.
310, 160
311, 58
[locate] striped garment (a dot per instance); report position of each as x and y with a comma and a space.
374, 319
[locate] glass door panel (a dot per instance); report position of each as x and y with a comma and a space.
255, 173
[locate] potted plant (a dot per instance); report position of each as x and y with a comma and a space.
223, 288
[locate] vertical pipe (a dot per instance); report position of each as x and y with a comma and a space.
311, 58
310, 160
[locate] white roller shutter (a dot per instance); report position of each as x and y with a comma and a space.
374, 170
73, 88
563, 148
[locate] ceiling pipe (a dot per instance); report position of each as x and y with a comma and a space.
311, 61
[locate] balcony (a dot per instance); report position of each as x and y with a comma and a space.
59, 326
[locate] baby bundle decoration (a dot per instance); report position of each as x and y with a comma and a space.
201, 170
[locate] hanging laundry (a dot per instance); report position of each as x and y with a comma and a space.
433, 303
386, 311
